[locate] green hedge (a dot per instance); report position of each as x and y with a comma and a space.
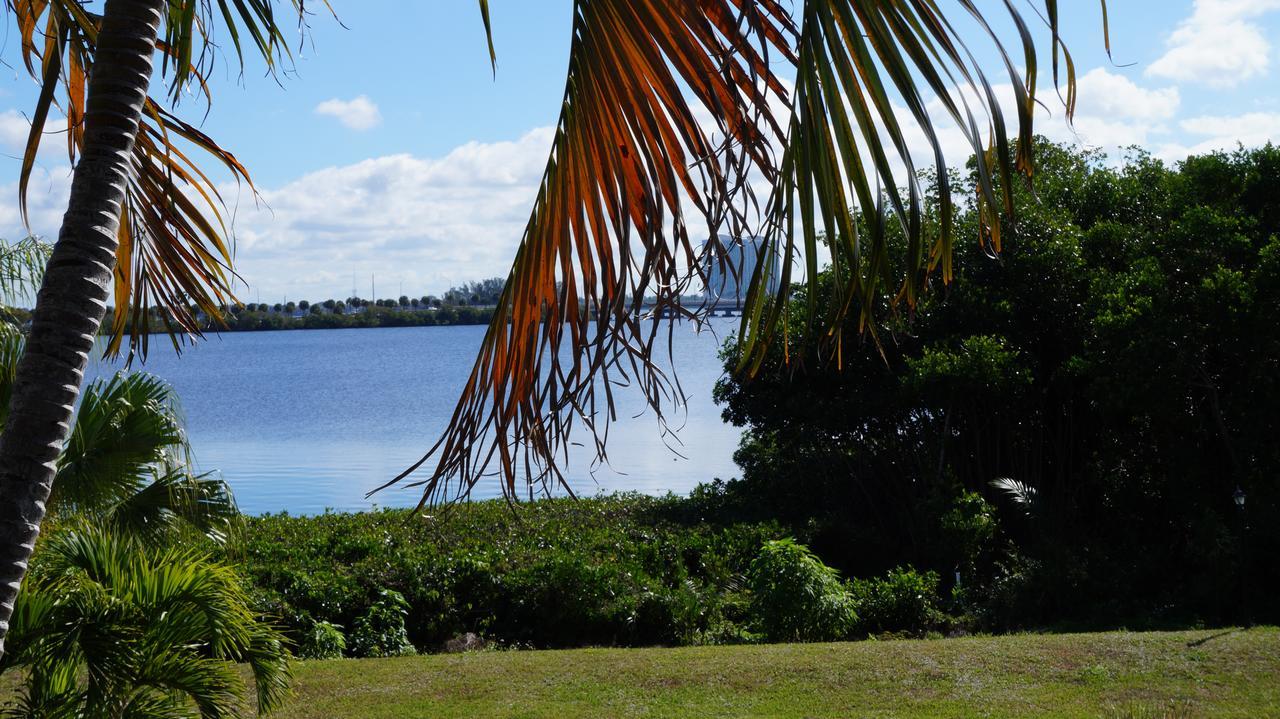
626, 570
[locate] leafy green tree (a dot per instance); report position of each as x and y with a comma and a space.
1114, 369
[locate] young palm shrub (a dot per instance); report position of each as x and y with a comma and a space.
110, 627
127, 466
797, 598
116, 619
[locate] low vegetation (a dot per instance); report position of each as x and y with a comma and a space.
1116, 675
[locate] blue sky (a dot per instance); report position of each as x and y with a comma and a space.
392, 150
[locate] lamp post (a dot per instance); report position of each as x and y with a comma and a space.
1239, 497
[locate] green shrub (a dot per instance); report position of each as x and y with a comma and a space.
795, 597
380, 631
627, 570
324, 641
903, 601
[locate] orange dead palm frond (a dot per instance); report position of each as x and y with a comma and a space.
175, 250
607, 226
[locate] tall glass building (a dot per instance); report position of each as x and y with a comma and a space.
729, 274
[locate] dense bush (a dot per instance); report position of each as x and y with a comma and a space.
626, 570
1064, 426
323, 641
380, 632
795, 597
902, 602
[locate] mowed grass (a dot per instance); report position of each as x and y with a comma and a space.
1222, 673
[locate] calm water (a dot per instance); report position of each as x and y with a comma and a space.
308, 420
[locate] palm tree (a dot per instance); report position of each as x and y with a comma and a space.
142, 217
673, 104
110, 627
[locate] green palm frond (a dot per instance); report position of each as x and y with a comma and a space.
175, 245
172, 500
867, 75
21, 267
609, 225
109, 627
126, 425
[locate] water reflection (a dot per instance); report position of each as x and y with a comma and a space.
301, 421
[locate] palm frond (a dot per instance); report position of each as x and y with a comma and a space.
126, 424
175, 255
21, 267
1021, 493
867, 70
174, 499
488, 34
109, 627
609, 227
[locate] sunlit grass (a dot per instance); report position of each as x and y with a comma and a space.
1225, 673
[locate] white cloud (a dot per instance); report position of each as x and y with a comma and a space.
47, 196
358, 113
1106, 94
14, 129
429, 223
1224, 132
1218, 45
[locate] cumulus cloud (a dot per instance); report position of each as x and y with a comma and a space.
1219, 45
1224, 132
429, 223
358, 113
14, 129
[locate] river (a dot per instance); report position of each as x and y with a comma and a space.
308, 420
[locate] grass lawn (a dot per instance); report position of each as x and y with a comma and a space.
1225, 673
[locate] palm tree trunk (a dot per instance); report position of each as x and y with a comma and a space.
76, 289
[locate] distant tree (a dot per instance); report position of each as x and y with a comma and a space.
415, 302
339, 308
304, 305
277, 307
315, 309
251, 307
290, 307
404, 300
329, 304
